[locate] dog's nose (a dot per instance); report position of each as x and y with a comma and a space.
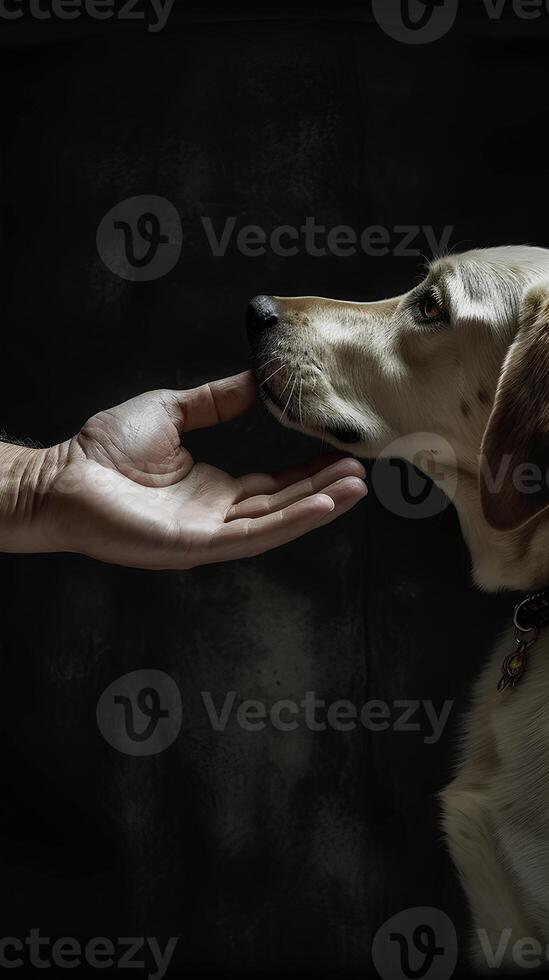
262, 313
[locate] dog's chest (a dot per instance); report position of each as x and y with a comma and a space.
519, 790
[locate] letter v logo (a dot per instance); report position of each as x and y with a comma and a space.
415, 21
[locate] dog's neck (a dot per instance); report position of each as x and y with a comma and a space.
513, 560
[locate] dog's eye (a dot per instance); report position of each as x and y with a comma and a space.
431, 308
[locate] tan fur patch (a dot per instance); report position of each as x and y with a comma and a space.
516, 442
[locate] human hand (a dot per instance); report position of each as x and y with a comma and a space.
124, 490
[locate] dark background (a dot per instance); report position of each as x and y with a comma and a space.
261, 851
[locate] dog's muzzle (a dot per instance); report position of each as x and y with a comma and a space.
265, 313
262, 314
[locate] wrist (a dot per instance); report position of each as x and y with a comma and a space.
27, 478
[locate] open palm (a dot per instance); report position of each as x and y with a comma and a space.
128, 492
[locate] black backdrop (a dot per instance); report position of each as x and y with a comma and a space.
269, 850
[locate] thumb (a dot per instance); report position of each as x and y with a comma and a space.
215, 402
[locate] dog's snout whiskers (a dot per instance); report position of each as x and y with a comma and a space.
264, 382
289, 396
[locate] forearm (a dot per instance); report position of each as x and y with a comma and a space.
26, 477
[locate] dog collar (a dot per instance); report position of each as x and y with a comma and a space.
530, 615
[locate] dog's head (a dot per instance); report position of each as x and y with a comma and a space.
457, 368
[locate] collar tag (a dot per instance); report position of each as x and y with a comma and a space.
530, 614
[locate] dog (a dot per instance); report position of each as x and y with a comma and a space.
455, 372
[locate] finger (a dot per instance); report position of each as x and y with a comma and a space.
254, 484
269, 503
215, 402
252, 536
345, 494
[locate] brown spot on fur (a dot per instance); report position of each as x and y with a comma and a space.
465, 410
518, 433
483, 396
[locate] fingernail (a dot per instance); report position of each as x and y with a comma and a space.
325, 499
352, 481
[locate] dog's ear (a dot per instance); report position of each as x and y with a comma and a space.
514, 465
